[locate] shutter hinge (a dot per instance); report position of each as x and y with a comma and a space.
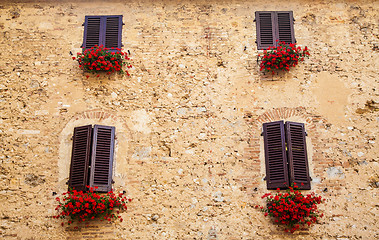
255, 20
265, 178
261, 132
112, 181
306, 134
71, 138
123, 23
83, 24
67, 182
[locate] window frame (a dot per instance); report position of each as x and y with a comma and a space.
279, 29
103, 31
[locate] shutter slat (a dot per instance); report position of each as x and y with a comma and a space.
275, 155
297, 155
102, 158
80, 157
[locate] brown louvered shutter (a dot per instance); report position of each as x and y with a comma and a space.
265, 25
92, 28
275, 155
113, 32
297, 155
285, 31
80, 157
102, 158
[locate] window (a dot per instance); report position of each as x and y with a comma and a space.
274, 27
92, 158
286, 155
103, 30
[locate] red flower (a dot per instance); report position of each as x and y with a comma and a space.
281, 57
292, 209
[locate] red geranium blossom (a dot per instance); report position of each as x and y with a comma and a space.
101, 59
84, 206
292, 209
282, 57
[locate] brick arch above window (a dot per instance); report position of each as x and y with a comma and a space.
94, 117
254, 152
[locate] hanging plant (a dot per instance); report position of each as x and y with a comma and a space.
101, 59
282, 57
292, 209
84, 206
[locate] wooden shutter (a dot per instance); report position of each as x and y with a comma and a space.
103, 30
273, 26
285, 31
113, 32
265, 25
92, 30
297, 155
80, 157
102, 158
275, 155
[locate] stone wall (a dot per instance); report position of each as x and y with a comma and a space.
188, 119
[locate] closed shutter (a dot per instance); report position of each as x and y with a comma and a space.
275, 155
113, 32
265, 25
297, 155
285, 31
102, 158
80, 157
102, 30
273, 26
92, 32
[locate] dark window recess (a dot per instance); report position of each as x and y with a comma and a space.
286, 155
103, 30
273, 26
92, 158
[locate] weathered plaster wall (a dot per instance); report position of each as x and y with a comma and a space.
188, 120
